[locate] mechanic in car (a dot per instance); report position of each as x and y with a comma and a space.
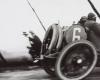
93, 30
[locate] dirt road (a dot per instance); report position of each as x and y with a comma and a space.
38, 74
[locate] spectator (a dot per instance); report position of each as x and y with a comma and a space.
35, 43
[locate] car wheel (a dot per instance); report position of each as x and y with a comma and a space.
76, 61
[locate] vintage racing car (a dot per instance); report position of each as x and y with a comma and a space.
70, 54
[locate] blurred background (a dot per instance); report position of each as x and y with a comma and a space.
16, 17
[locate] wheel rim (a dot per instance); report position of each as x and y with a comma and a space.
49, 66
78, 61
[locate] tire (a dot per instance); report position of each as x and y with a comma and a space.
49, 66
60, 39
48, 63
52, 34
75, 62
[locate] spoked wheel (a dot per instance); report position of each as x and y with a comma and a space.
49, 66
76, 61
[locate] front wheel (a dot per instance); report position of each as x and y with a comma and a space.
76, 61
49, 66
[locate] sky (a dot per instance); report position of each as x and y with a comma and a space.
16, 17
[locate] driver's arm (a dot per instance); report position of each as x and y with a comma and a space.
95, 27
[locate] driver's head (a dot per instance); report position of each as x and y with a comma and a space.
83, 19
91, 16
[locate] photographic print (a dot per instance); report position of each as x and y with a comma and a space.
49, 40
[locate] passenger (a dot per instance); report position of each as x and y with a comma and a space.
94, 30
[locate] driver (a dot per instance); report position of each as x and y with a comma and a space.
82, 20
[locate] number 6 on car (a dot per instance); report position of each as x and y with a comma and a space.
74, 33
75, 36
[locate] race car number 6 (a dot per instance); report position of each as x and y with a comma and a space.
75, 36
